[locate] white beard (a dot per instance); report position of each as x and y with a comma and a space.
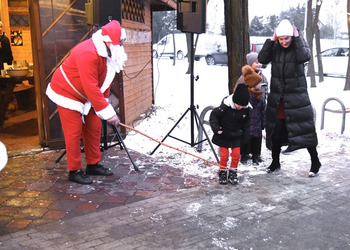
118, 57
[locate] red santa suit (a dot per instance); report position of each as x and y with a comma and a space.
80, 88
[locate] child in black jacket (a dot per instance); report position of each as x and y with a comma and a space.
230, 123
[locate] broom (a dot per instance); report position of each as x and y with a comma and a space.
211, 162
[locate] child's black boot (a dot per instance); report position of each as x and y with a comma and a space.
232, 177
223, 177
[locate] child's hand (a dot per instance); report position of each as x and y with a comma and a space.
220, 132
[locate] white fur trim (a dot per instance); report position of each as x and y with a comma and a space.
106, 38
229, 102
109, 77
122, 35
106, 113
64, 101
97, 39
3, 156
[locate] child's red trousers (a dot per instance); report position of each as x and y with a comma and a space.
235, 156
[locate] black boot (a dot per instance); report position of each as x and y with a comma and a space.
255, 160
223, 177
79, 176
232, 177
315, 167
259, 158
244, 159
315, 162
274, 166
97, 169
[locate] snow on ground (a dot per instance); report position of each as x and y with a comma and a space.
172, 100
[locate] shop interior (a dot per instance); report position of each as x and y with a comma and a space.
19, 130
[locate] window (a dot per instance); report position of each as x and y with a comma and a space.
19, 20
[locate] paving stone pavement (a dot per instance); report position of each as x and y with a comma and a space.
35, 190
267, 211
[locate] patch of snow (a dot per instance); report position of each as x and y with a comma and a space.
172, 100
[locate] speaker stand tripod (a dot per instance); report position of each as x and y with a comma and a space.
105, 145
193, 113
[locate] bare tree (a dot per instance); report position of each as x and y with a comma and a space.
237, 38
310, 36
347, 81
316, 30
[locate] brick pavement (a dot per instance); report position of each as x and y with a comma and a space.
269, 211
34, 189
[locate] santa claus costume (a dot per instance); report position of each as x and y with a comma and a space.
80, 87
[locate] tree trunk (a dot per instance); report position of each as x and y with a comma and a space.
318, 43
237, 38
347, 80
309, 36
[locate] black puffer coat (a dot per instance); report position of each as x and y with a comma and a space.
288, 84
233, 122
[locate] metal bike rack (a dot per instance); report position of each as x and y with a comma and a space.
343, 111
200, 130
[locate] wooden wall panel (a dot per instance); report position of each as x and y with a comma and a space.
24, 52
138, 91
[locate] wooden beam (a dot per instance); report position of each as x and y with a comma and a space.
5, 17
18, 10
39, 72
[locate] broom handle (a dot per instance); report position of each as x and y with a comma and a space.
211, 162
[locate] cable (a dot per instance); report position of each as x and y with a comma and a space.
138, 72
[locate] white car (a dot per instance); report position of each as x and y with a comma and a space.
165, 47
334, 61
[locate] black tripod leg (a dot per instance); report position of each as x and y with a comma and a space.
116, 131
205, 132
59, 158
171, 130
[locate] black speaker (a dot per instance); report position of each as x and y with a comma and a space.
191, 16
100, 12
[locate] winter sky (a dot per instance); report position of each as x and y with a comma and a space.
330, 9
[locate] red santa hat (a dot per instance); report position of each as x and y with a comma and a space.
111, 32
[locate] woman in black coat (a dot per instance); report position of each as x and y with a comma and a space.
289, 113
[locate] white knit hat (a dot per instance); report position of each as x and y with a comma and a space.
284, 28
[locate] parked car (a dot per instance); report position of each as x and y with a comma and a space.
165, 47
334, 61
256, 47
220, 55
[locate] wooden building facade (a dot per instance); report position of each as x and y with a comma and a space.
57, 26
